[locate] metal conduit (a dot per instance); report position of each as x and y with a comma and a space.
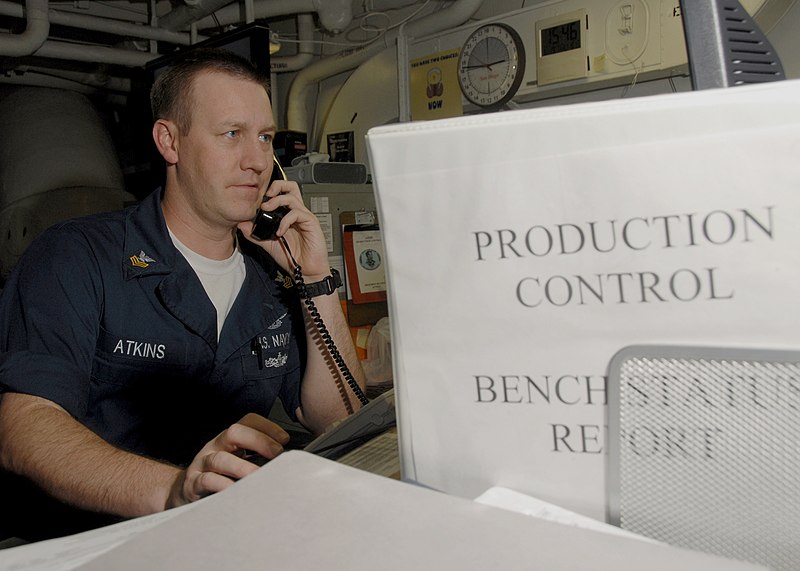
36, 31
296, 114
100, 24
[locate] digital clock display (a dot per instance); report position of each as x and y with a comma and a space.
561, 38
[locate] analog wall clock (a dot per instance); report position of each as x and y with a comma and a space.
491, 65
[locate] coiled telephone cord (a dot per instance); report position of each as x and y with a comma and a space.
323, 330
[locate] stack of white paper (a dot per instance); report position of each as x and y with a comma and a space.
304, 512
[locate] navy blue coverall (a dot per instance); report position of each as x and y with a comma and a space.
103, 316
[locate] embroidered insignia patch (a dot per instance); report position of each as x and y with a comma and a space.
141, 260
283, 280
278, 361
278, 322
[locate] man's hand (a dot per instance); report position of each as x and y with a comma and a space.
219, 464
320, 394
301, 229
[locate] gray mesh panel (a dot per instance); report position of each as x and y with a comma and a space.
707, 452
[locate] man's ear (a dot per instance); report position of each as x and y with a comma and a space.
165, 135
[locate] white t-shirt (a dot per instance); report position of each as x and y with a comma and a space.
222, 279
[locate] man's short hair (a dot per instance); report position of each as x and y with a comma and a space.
172, 95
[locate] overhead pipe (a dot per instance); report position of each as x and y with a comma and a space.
385, 5
37, 28
86, 83
334, 15
34, 40
296, 114
118, 27
452, 16
99, 24
771, 13
94, 54
189, 12
297, 98
124, 57
22, 45
305, 48
31, 79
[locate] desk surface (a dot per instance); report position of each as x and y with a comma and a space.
378, 456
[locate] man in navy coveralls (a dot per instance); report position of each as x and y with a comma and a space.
143, 349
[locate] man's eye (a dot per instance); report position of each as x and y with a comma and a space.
265, 138
231, 134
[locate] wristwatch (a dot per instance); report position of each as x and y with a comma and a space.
325, 286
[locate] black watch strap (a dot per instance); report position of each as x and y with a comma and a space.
326, 286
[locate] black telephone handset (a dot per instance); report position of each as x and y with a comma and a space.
265, 225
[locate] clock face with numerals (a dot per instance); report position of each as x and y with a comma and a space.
491, 65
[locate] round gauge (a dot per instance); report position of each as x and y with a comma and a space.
491, 65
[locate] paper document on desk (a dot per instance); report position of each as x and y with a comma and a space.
301, 511
500, 497
68, 553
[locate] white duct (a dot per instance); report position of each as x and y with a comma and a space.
770, 12
118, 27
33, 161
384, 5
36, 30
334, 15
305, 48
30, 78
24, 44
34, 40
453, 16
296, 114
86, 83
45, 179
191, 12
99, 24
94, 54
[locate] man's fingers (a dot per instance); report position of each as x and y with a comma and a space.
220, 463
287, 187
207, 483
253, 433
266, 426
226, 464
214, 472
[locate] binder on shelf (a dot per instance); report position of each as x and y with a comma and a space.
364, 262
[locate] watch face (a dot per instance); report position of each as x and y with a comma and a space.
491, 65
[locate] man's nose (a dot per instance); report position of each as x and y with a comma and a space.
256, 157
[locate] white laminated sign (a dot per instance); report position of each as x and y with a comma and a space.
525, 248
